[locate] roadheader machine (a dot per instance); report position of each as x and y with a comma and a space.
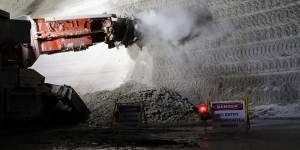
24, 95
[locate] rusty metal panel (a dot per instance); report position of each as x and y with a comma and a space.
63, 35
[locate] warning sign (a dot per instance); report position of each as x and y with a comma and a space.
229, 113
227, 106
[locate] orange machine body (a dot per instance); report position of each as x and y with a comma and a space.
54, 36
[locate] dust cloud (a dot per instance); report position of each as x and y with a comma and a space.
170, 42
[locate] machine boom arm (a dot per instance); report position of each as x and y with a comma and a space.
55, 35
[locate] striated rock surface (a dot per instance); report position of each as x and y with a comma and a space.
256, 54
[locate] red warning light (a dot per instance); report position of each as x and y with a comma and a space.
202, 108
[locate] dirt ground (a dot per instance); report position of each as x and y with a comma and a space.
263, 135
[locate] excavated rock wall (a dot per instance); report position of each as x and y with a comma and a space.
259, 57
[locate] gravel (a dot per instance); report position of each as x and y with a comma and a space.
161, 105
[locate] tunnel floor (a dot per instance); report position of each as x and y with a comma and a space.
264, 134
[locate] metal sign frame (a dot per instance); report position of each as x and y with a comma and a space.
245, 99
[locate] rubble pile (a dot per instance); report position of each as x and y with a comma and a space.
161, 106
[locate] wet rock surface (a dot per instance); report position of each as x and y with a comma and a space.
161, 105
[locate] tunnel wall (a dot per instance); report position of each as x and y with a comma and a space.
259, 58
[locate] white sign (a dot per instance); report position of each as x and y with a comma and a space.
229, 114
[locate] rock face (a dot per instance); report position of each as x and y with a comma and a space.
161, 106
258, 56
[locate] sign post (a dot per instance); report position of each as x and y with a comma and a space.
229, 114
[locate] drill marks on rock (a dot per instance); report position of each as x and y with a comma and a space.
265, 70
250, 7
259, 51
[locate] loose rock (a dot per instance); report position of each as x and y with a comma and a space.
161, 105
